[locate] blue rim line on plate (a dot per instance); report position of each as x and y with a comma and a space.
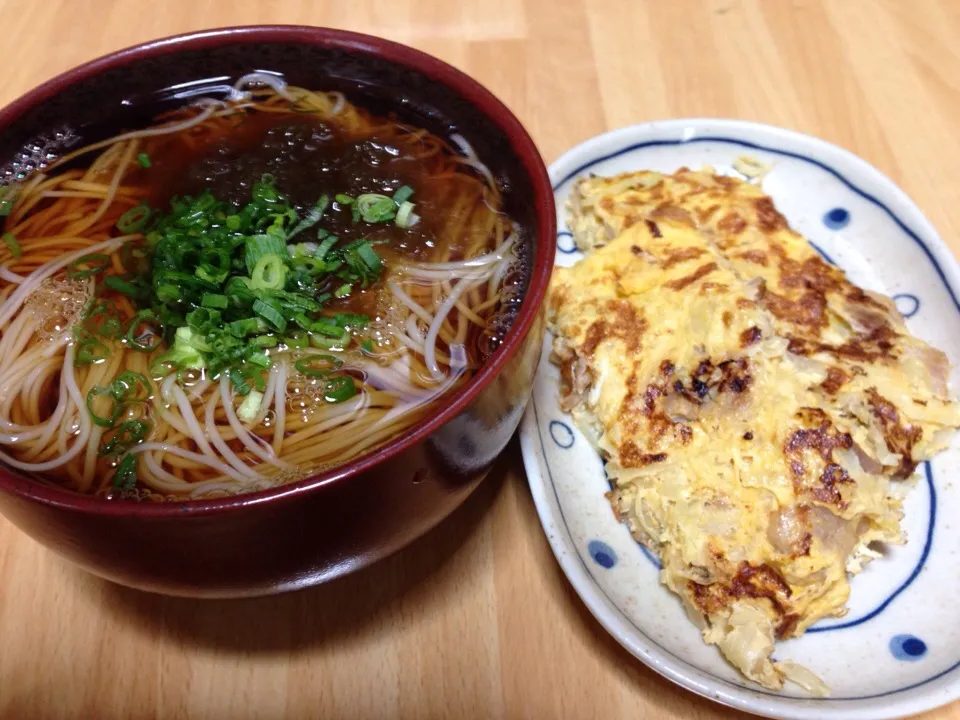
927, 467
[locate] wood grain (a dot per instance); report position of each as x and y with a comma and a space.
474, 621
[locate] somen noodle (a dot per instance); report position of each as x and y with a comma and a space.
243, 293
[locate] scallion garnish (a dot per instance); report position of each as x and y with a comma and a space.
131, 386
312, 218
121, 286
8, 198
265, 341
103, 318
328, 329
10, 240
375, 208
250, 407
133, 220
296, 339
270, 273
405, 215
222, 285
123, 437
220, 302
125, 477
316, 365
339, 389
135, 339
104, 417
325, 246
260, 246
88, 266
144, 160
270, 313
403, 194
322, 342
89, 350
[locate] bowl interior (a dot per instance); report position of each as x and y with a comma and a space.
124, 91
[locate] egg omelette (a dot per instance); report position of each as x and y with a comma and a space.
760, 415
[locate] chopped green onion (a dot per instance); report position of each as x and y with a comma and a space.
265, 341
246, 378
144, 160
220, 302
402, 194
88, 266
183, 355
303, 250
250, 407
133, 220
369, 256
270, 314
325, 246
131, 386
270, 273
126, 475
134, 340
339, 389
375, 208
116, 407
10, 240
311, 265
8, 198
344, 199
242, 328
89, 349
260, 245
125, 436
326, 343
318, 365
406, 217
367, 346
312, 218
296, 339
103, 318
342, 291
168, 293
328, 329
260, 359
351, 321
121, 286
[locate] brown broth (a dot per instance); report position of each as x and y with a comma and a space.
308, 158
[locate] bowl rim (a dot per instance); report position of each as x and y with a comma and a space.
466, 87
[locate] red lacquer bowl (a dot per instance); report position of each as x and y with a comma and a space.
348, 517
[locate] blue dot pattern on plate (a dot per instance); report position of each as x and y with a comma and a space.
562, 434
907, 304
836, 219
908, 647
602, 554
565, 242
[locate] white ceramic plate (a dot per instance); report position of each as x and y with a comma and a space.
897, 652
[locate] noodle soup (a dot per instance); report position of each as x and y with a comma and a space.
244, 293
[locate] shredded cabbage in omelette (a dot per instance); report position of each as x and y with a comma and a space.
760, 415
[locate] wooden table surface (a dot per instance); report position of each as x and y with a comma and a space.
476, 620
